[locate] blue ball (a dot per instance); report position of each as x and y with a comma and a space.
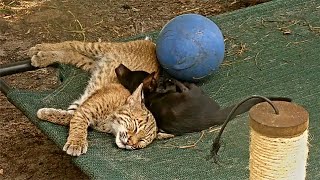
190, 47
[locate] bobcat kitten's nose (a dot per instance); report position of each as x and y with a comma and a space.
124, 142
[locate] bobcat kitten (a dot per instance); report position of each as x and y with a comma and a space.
105, 104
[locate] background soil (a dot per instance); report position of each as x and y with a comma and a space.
25, 153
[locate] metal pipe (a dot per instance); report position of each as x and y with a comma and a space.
17, 67
4, 88
13, 68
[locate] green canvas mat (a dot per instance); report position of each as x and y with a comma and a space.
260, 59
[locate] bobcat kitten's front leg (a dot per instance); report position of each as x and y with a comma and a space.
77, 143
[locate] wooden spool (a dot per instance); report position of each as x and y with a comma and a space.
278, 142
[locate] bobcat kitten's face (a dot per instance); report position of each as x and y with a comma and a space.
135, 126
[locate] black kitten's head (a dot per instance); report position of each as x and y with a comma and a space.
132, 79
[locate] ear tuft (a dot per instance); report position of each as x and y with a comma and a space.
137, 96
156, 75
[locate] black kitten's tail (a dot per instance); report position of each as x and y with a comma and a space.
246, 106
242, 107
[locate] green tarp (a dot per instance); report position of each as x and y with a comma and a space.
271, 49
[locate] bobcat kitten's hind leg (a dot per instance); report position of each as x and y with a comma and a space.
48, 47
46, 58
56, 116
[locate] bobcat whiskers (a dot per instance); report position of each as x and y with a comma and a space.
122, 141
121, 135
128, 139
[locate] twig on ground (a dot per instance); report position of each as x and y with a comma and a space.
229, 63
314, 29
243, 48
296, 42
244, 22
82, 30
187, 146
256, 61
220, 88
194, 144
214, 129
188, 10
269, 20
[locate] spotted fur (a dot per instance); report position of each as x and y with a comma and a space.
105, 104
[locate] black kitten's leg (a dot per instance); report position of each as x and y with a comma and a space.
180, 85
166, 86
190, 85
163, 90
163, 135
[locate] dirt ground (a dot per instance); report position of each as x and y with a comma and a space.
26, 153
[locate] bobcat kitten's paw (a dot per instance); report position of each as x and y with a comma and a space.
34, 50
76, 147
35, 61
43, 113
44, 58
42, 47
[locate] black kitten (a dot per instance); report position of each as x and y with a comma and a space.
180, 107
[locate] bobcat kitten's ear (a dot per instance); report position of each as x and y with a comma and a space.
156, 75
137, 96
148, 38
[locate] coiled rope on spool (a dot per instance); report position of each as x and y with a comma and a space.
278, 140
